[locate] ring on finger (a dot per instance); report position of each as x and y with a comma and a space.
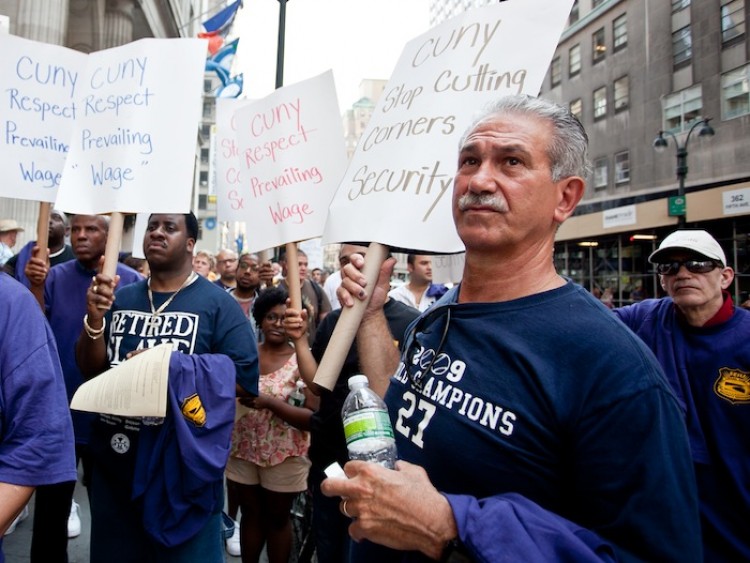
95, 289
343, 509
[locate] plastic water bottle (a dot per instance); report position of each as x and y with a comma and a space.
367, 427
297, 397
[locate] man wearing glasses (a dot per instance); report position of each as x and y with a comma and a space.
701, 341
226, 267
518, 439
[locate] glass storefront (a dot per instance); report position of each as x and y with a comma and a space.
620, 262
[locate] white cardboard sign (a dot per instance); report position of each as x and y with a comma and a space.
227, 157
291, 159
39, 86
397, 188
134, 139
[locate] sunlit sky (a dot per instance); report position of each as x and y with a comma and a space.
358, 39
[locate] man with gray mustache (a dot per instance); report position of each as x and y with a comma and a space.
518, 439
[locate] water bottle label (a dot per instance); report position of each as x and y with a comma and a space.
367, 423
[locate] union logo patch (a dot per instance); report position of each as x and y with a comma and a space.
193, 410
733, 385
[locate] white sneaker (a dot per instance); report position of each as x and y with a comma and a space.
20, 518
74, 521
233, 542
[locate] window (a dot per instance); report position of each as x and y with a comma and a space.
678, 5
682, 109
576, 108
204, 177
622, 94
601, 173
555, 72
206, 130
620, 32
574, 60
598, 48
682, 46
600, 102
596, 3
732, 19
622, 167
735, 93
207, 85
574, 14
204, 156
202, 201
207, 107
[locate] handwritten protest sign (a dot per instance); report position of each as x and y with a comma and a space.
448, 268
39, 85
227, 157
397, 188
134, 138
291, 159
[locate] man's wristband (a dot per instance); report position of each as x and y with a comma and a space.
455, 552
93, 333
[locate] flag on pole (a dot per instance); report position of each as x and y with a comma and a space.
220, 23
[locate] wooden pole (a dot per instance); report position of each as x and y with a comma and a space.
348, 323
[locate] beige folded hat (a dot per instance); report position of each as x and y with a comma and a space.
7, 225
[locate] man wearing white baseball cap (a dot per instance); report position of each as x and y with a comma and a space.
701, 341
8, 232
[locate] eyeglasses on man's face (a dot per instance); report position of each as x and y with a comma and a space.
692, 266
227, 261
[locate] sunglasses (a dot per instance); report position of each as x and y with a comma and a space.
692, 266
418, 364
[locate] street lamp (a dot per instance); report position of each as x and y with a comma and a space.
660, 143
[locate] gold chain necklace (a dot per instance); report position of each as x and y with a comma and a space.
156, 312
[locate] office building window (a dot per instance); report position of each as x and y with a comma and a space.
207, 85
206, 130
600, 102
601, 173
678, 5
598, 47
682, 109
620, 32
555, 72
576, 108
735, 93
202, 201
207, 107
574, 14
622, 167
732, 19
203, 178
622, 94
682, 47
574, 60
204, 156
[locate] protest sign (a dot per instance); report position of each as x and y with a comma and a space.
448, 268
40, 84
227, 156
397, 188
134, 139
291, 153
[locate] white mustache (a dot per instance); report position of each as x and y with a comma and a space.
470, 199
